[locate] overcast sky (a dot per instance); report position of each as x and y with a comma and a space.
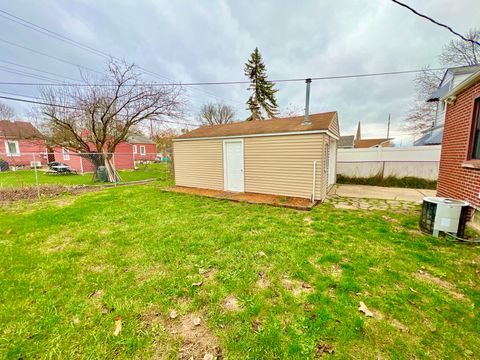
211, 40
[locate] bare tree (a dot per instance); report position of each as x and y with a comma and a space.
163, 138
6, 112
456, 53
96, 117
422, 113
216, 114
461, 53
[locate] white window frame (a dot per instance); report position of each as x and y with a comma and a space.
143, 150
7, 148
134, 149
65, 153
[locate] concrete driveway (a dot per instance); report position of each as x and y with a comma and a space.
384, 193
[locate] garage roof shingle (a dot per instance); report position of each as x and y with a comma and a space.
321, 121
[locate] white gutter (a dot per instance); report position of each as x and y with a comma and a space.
328, 132
471, 80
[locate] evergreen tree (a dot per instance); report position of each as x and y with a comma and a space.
263, 91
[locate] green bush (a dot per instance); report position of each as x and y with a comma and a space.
389, 181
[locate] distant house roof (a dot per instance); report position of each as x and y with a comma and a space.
468, 82
18, 130
346, 141
139, 139
368, 143
323, 121
433, 137
459, 70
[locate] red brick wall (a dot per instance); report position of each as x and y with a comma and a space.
455, 180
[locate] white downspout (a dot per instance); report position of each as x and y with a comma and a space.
314, 179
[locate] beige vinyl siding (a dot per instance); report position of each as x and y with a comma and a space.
199, 163
334, 128
283, 165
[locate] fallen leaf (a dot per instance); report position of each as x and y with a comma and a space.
104, 309
261, 273
76, 321
96, 293
8, 232
306, 286
173, 314
196, 321
208, 356
256, 325
363, 308
118, 326
324, 348
413, 290
197, 283
261, 253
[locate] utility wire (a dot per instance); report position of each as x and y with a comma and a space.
70, 41
49, 56
24, 73
75, 108
39, 70
437, 23
334, 77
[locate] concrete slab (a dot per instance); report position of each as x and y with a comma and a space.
384, 193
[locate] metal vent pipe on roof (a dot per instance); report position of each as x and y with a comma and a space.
306, 121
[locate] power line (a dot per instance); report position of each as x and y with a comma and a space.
333, 77
70, 41
49, 56
436, 23
39, 70
24, 73
75, 108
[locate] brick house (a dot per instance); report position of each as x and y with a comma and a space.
18, 140
459, 175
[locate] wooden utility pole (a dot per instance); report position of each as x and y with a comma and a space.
388, 127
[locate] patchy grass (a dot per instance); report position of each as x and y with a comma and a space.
189, 275
22, 178
389, 181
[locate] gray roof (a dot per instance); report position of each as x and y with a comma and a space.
139, 139
433, 137
439, 92
464, 69
346, 141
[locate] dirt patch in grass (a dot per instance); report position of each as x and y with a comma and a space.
231, 303
451, 289
8, 195
253, 198
197, 340
296, 287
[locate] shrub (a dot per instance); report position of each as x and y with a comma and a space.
389, 181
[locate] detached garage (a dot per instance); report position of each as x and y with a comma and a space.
293, 157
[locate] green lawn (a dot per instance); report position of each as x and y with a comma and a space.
275, 282
27, 177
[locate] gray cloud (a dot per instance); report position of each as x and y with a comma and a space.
211, 40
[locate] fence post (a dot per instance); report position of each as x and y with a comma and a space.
36, 175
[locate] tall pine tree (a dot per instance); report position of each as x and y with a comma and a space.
263, 91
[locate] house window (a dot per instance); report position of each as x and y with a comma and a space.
66, 154
142, 150
12, 148
476, 131
134, 149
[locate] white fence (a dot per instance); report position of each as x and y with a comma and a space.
418, 161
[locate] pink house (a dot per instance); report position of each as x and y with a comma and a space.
137, 148
19, 140
143, 148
